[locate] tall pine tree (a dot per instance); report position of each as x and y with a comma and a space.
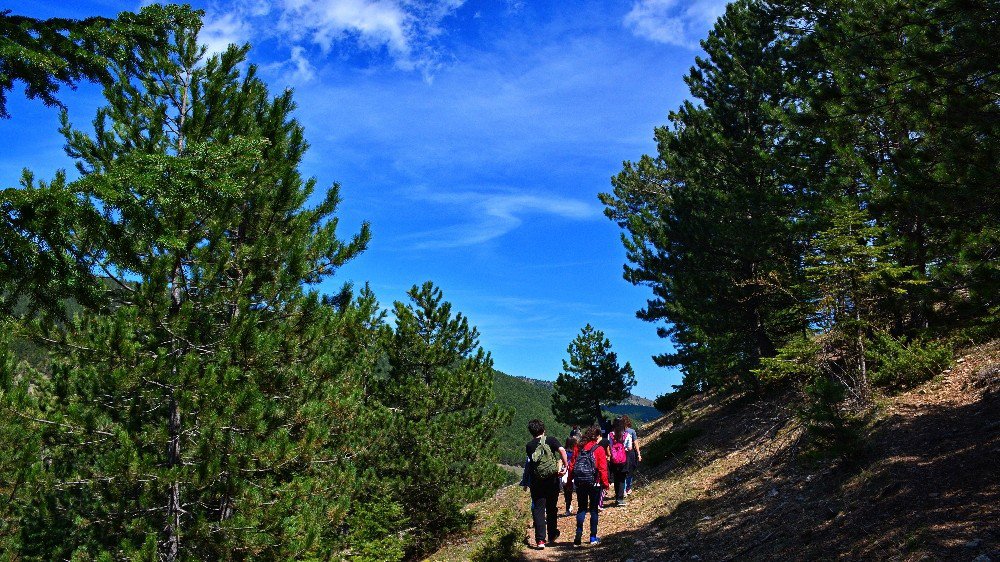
591, 378
438, 389
708, 222
208, 413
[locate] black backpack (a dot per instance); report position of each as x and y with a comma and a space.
585, 469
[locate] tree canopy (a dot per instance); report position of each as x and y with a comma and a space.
591, 377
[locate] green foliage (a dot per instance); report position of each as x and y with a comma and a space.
45, 54
825, 179
833, 430
899, 365
502, 538
669, 445
668, 401
442, 448
376, 530
527, 401
208, 411
708, 221
797, 361
590, 378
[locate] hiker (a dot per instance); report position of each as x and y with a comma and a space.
634, 455
571, 443
621, 442
575, 432
543, 469
606, 446
590, 478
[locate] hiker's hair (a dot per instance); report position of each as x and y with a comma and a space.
592, 433
570, 442
536, 427
627, 420
619, 427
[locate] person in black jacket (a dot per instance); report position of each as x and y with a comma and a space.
544, 491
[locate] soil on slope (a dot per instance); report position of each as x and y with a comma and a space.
925, 486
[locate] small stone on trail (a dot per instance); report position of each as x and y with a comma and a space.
706, 518
773, 492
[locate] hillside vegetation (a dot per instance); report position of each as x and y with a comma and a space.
531, 398
528, 399
734, 482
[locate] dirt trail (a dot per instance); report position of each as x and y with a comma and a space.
924, 487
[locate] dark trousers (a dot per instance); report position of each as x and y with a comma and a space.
544, 508
588, 497
620, 472
568, 494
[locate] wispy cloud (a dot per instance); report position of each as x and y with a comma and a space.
403, 29
221, 30
491, 215
674, 22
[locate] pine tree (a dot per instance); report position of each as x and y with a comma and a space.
47, 54
438, 388
708, 221
209, 411
590, 378
852, 270
45, 228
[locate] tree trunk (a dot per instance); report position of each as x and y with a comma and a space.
172, 545
865, 390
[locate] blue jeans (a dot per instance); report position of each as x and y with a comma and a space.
588, 496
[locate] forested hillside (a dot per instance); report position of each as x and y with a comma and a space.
529, 399
532, 398
728, 477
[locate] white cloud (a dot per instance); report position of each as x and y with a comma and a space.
491, 215
404, 29
221, 30
674, 22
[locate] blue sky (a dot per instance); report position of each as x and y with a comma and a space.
473, 135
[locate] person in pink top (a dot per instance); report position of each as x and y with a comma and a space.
589, 471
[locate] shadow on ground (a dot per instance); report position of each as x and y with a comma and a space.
927, 487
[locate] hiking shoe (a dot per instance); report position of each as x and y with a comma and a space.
577, 542
568, 512
555, 536
540, 545
594, 540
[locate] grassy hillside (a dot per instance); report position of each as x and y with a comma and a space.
529, 400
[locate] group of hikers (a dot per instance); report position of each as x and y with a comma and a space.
591, 459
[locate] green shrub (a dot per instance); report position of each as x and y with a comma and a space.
375, 531
669, 444
898, 365
501, 541
667, 402
798, 360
